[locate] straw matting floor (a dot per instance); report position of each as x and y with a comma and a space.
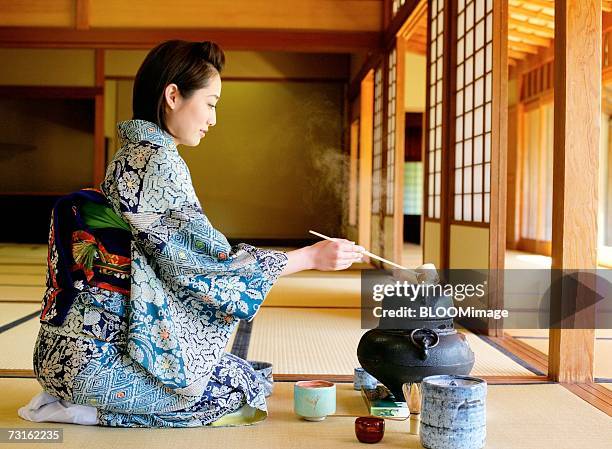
518, 417
317, 289
324, 341
294, 340
602, 357
10, 312
18, 343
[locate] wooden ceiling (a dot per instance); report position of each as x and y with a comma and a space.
531, 26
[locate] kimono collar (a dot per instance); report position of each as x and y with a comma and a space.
139, 130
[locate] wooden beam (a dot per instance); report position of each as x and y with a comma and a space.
82, 14
542, 14
76, 92
522, 46
229, 39
545, 30
387, 12
532, 39
577, 93
541, 3
516, 54
499, 149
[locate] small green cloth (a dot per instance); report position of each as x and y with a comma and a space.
98, 216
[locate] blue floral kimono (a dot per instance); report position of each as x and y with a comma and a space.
151, 353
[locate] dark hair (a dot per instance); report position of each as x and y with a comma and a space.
189, 65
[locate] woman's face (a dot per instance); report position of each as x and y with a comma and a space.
188, 119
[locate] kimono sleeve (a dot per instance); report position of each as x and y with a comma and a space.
192, 258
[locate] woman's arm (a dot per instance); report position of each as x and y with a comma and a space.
324, 256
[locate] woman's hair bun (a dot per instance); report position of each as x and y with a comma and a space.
213, 54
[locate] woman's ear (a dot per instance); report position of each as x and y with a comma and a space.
171, 94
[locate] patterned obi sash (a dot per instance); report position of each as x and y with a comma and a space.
89, 246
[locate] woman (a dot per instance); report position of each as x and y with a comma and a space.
143, 292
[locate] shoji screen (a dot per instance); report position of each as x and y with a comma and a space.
433, 158
473, 115
377, 151
377, 222
390, 143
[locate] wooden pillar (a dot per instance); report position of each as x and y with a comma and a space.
499, 171
99, 160
366, 121
400, 126
575, 169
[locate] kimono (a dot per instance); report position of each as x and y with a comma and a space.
143, 294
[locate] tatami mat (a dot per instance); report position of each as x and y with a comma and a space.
10, 312
294, 340
518, 417
543, 333
602, 357
12, 293
17, 346
18, 343
24, 279
324, 341
317, 289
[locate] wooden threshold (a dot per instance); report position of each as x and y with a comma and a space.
342, 378
598, 396
17, 373
523, 351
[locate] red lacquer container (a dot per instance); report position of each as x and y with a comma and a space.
369, 429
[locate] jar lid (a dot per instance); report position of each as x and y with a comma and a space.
455, 385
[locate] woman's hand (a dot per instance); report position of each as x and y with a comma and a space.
325, 255
339, 254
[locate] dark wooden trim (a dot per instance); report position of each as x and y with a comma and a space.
82, 13
257, 78
386, 41
387, 12
348, 378
448, 126
397, 22
66, 92
384, 153
229, 39
598, 396
471, 224
33, 193
99, 156
371, 63
27, 373
425, 149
